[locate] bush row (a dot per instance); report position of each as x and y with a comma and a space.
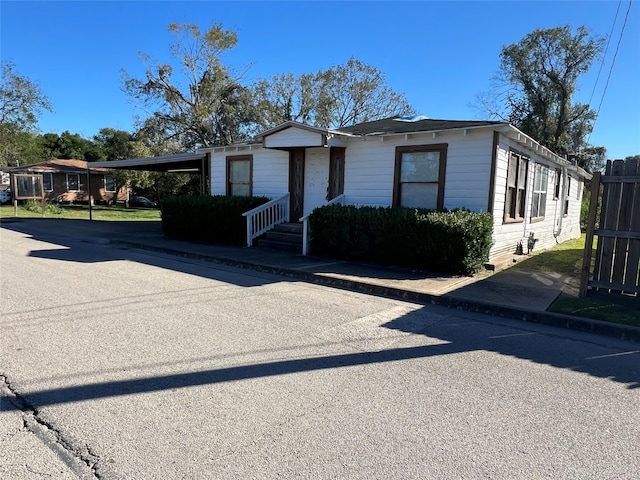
455, 242
216, 219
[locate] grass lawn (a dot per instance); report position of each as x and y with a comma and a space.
567, 258
79, 212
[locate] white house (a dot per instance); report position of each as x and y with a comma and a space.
484, 166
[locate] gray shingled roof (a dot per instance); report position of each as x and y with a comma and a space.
412, 125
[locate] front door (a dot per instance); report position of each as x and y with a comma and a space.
296, 184
336, 172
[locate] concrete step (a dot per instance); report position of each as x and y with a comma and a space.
288, 228
285, 236
282, 246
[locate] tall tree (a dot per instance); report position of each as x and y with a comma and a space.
285, 97
337, 97
357, 92
536, 83
211, 107
21, 102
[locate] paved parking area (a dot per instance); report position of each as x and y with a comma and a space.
145, 365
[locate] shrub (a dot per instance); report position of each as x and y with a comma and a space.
36, 207
456, 242
216, 219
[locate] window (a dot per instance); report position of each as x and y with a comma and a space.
73, 182
109, 183
419, 176
239, 173
565, 212
539, 199
516, 188
556, 187
47, 181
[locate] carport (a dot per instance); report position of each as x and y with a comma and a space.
192, 162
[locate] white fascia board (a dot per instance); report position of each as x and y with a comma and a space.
433, 133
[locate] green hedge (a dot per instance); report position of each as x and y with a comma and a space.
455, 242
215, 219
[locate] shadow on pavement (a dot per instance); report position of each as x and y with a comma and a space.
85, 244
559, 352
619, 364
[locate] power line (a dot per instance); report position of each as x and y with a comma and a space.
615, 20
610, 70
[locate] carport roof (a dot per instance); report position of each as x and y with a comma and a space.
179, 162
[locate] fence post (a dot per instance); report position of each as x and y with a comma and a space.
588, 243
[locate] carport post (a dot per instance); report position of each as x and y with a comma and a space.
89, 191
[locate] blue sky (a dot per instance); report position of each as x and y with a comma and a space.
439, 54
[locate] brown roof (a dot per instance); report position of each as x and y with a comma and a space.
59, 165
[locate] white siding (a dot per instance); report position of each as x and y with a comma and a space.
369, 168
369, 177
553, 228
270, 171
293, 137
368, 172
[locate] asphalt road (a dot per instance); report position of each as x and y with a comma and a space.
122, 364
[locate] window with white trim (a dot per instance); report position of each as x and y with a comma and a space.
73, 182
109, 183
539, 198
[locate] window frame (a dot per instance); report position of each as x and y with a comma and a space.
565, 207
556, 186
228, 183
515, 212
113, 180
542, 194
336, 172
441, 148
77, 175
48, 175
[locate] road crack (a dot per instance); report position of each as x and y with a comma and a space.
83, 464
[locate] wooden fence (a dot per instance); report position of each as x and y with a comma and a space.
617, 259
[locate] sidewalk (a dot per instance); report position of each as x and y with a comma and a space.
513, 293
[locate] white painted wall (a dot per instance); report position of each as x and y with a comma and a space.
369, 177
369, 168
270, 171
508, 235
293, 137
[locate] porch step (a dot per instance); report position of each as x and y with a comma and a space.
285, 236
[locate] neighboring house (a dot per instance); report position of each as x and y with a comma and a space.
65, 181
483, 166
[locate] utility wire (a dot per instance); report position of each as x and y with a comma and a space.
606, 49
610, 70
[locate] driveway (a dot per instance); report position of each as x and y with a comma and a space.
145, 366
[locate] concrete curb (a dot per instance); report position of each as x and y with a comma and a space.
581, 324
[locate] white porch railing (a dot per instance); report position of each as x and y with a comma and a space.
305, 224
263, 218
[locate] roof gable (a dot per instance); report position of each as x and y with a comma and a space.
294, 134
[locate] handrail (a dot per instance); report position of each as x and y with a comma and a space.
264, 217
305, 223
